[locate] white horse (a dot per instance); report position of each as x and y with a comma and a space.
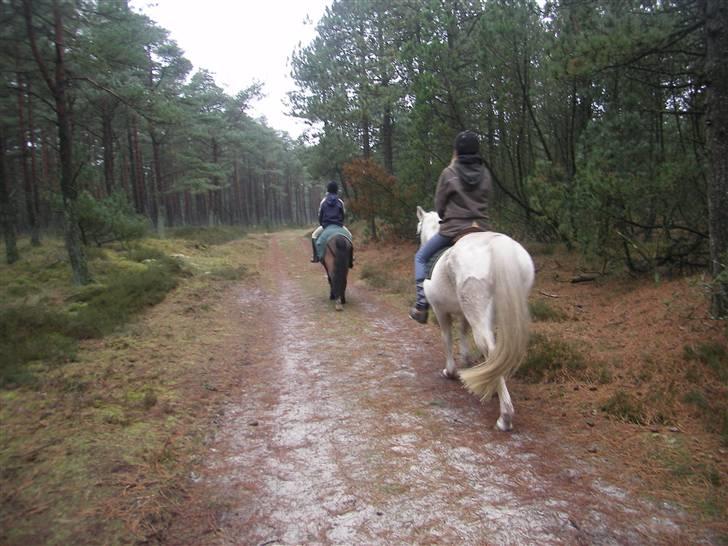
485, 277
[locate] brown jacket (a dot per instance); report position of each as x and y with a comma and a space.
462, 196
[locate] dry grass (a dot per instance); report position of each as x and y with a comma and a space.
98, 449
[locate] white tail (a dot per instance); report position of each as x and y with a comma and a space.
511, 318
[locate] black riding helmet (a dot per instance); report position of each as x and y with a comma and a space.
332, 187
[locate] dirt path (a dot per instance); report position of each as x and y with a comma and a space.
343, 433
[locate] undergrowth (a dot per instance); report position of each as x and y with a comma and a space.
42, 317
542, 311
707, 372
549, 359
48, 333
96, 433
217, 235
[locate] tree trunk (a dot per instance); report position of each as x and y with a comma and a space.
69, 188
158, 186
387, 146
716, 121
33, 162
30, 201
107, 137
7, 210
57, 86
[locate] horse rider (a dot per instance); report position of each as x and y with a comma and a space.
331, 212
461, 200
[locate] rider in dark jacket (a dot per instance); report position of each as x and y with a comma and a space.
331, 209
461, 201
331, 212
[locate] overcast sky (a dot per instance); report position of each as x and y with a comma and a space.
241, 41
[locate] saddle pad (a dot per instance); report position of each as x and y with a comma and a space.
433, 261
326, 234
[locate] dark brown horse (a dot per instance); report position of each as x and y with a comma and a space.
337, 262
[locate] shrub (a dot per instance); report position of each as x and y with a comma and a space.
29, 333
625, 406
712, 354
126, 293
542, 311
548, 357
42, 333
108, 220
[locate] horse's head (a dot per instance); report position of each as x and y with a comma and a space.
428, 225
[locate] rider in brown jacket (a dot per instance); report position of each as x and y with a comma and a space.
461, 200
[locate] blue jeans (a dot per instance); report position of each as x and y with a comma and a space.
426, 252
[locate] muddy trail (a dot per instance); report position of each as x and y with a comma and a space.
343, 432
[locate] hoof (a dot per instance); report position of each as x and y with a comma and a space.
338, 306
447, 375
504, 423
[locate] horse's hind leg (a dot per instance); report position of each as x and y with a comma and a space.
505, 421
445, 322
468, 354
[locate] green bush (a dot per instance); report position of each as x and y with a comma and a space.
548, 357
542, 311
103, 307
108, 220
712, 354
49, 334
31, 333
625, 406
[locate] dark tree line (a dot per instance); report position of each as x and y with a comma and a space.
592, 114
96, 101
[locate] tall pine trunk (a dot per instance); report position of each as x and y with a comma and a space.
159, 204
57, 84
7, 209
28, 182
107, 139
716, 120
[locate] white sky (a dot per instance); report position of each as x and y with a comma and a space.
241, 41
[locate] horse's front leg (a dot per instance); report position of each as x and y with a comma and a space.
505, 421
445, 322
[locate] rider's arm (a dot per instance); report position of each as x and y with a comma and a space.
442, 194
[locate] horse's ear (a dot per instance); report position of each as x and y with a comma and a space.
420, 213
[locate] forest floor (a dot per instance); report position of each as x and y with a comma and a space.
272, 419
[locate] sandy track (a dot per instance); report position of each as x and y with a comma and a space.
344, 433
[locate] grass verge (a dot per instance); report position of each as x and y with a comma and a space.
97, 442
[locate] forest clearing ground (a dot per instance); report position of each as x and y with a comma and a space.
345, 433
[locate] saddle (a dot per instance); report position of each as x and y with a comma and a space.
435, 257
328, 233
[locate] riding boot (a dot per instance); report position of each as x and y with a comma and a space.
315, 258
419, 311
351, 259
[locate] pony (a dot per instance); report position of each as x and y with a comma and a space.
483, 280
337, 261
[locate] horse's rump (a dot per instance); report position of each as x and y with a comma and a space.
337, 260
